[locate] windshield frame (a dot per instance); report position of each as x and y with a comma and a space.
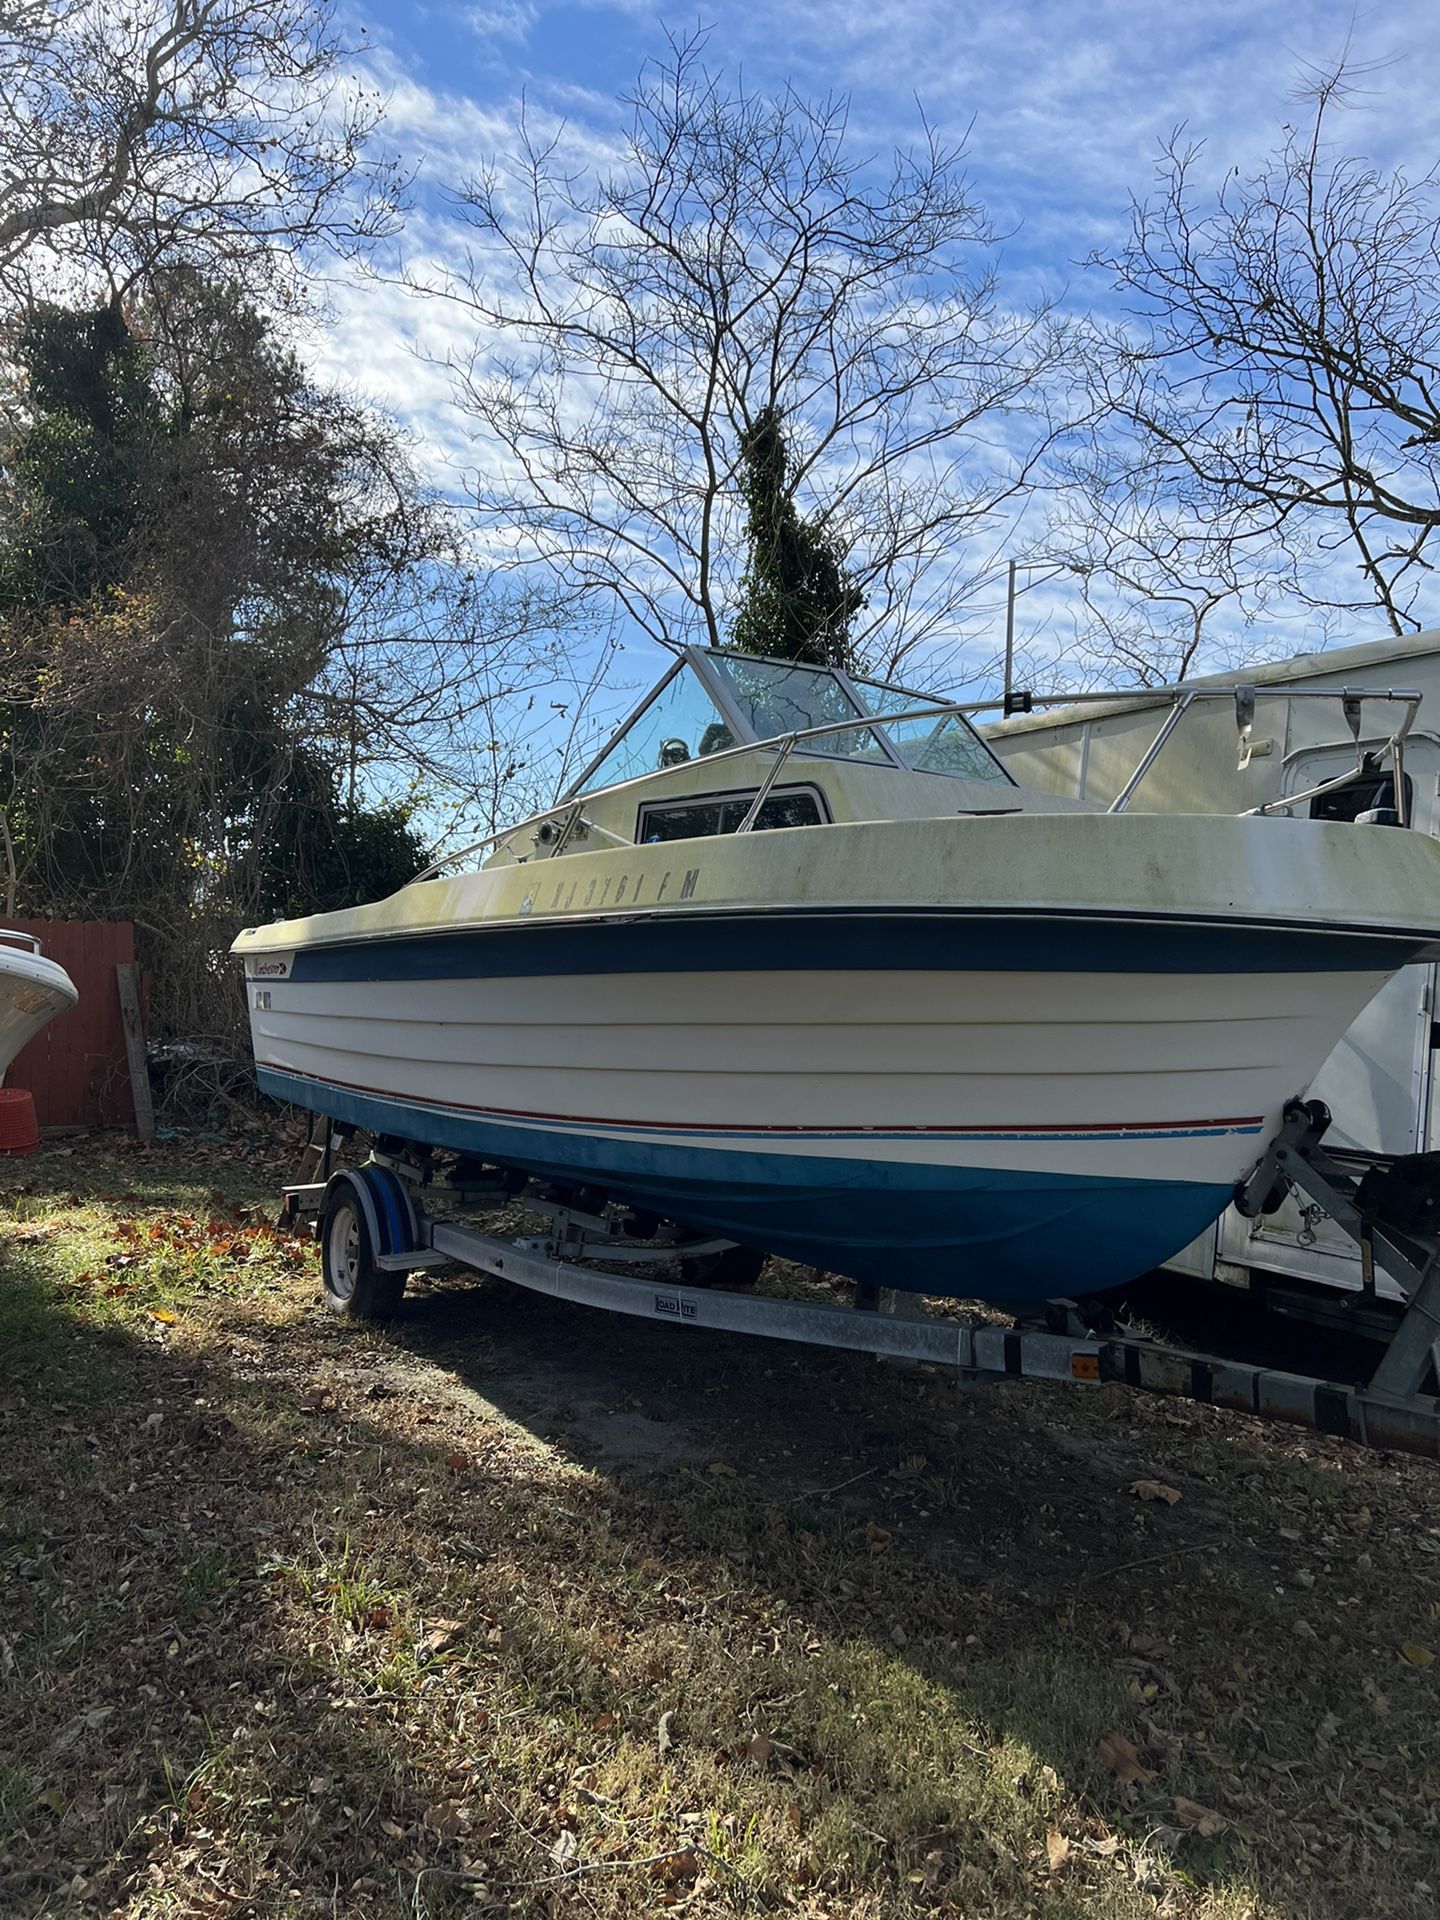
612, 740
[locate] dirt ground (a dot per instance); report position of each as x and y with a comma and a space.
516, 1608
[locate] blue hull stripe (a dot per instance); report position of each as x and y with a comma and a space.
972, 1233
888, 940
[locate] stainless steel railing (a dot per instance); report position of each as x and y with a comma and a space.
566, 816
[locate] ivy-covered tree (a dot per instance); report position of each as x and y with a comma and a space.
797, 601
185, 525
94, 424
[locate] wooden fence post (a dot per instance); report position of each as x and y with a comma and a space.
127, 979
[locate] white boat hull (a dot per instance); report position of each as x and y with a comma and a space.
811, 1111
32, 991
991, 1057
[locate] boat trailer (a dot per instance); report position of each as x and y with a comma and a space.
379, 1222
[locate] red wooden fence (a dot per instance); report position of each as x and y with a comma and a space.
75, 1067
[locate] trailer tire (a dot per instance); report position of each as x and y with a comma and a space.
355, 1288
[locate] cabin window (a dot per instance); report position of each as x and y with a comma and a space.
722, 813
1350, 802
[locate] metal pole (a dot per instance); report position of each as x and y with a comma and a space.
1009, 634
1172, 720
765, 785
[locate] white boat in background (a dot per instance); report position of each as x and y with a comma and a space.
32, 991
796, 962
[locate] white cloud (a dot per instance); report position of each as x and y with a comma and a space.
1069, 101
502, 20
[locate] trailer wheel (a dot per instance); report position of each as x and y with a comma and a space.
355, 1288
733, 1267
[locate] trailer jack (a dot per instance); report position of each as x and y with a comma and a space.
1389, 1205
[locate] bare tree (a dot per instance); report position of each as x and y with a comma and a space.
1153, 592
227, 132
453, 685
739, 259
1278, 370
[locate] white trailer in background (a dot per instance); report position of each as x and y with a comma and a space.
1380, 1082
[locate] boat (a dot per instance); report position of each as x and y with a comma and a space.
795, 962
32, 991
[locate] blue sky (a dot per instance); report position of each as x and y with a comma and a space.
1065, 105
1066, 102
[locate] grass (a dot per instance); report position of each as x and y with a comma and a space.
515, 1610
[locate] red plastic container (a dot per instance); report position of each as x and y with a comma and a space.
18, 1132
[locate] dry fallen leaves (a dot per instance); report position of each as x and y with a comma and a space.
1154, 1490
567, 1845
1122, 1758
1202, 1820
1103, 1849
448, 1819
441, 1635
676, 1866
1417, 1655
80, 1724
1057, 1849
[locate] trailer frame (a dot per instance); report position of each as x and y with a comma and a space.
571, 1260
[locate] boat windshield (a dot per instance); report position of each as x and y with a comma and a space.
679, 722
947, 744
776, 697
711, 701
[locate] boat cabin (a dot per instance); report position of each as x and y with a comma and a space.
700, 750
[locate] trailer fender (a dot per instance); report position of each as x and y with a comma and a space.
384, 1204
367, 1230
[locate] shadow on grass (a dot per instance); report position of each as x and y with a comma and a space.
296, 1617
996, 1546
